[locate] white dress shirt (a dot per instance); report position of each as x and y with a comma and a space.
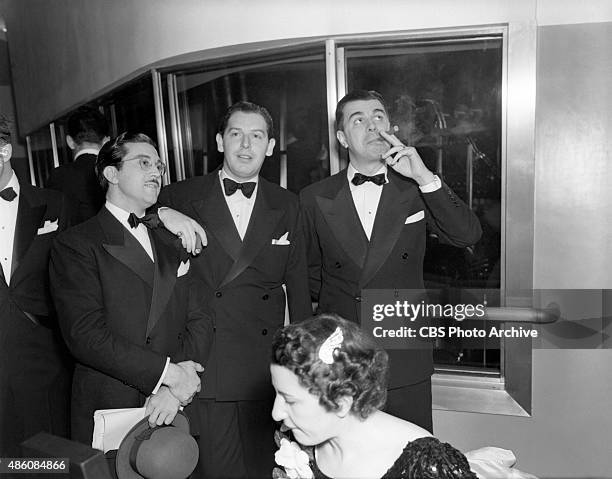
367, 196
142, 236
8, 222
140, 232
239, 205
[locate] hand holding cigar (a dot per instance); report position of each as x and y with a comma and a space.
412, 166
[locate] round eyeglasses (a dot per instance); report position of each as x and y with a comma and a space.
147, 164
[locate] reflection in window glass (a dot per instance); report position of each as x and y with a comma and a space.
132, 108
445, 97
42, 154
294, 93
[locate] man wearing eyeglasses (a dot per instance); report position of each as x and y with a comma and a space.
128, 307
34, 363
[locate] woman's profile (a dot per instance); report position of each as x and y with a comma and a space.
330, 383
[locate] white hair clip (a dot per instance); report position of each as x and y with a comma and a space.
326, 352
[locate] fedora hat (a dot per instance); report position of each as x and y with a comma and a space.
160, 452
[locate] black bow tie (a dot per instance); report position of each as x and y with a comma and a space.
230, 187
360, 179
150, 221
8, 194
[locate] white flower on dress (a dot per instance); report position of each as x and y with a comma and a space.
293, 459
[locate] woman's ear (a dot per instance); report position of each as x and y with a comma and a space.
345, 404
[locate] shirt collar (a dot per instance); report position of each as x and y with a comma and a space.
13, 183
118, 212
223, 174
87, 151
351, 170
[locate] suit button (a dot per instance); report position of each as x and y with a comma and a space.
180, 336
264, 332
218, 294
338, 265
265, 297
405, 255
148, 340
358, 299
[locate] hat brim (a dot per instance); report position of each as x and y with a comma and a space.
122, 461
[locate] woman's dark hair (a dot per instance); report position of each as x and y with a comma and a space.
114, 151
428, 458
359, 367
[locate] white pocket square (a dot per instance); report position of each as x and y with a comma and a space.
48, 227
415, 217
182, 269
282, 240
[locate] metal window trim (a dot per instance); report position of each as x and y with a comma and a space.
30, 160
54, 144
160, 122
177, 143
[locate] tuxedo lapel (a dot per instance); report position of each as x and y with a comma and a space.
342, 218
164, 278
262, 223
30, 213
388, 225
125, 248
215, 215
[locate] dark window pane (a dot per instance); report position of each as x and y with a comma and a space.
445, 97
292, 90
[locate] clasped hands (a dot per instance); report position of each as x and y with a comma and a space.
181, 384
406, 160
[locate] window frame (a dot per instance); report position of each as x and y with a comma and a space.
511, 393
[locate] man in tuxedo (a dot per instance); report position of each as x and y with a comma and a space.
87, 131
34, 364
128, 308
255, 246
365, 228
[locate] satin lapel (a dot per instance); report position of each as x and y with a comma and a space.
125, 248
165, 278
341, 216
259, 232
387, 228
217, 219
30, 213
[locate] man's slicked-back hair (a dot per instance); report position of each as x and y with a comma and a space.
356, 95
114, 151
247, 107
87, 125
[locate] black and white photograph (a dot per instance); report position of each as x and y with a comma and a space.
325, 239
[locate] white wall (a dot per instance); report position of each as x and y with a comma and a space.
570, 431
65, 51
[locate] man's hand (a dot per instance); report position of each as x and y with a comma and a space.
183, 380
406, 161
185, 228
161, 407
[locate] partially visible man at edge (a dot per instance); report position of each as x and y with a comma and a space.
35, 366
